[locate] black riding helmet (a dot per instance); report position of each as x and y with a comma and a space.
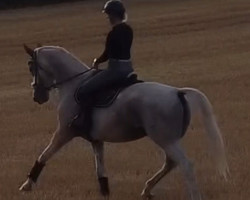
115, 8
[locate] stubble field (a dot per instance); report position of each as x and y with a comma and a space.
197, 43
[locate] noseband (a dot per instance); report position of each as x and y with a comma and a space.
37, 67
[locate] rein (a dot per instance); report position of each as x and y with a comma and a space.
55, 85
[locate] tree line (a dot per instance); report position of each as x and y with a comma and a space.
5, 4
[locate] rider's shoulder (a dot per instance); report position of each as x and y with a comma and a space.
123, 27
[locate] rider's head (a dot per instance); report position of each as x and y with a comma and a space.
115, 10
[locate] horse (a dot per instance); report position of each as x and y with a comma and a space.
148, 109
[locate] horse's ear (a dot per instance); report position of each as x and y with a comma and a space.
39, 45
28, 50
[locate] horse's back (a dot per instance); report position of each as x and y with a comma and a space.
149, 93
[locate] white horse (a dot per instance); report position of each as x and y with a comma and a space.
157, 111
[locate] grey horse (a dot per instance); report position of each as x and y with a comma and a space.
157, 111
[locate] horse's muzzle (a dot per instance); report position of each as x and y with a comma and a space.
40, 95
39, 101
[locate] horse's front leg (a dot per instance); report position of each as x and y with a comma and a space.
60, 138
100, 169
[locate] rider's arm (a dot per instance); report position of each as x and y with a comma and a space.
105, 55
103, 58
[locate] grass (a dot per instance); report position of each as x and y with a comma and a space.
201, 44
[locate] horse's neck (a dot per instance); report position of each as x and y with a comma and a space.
66, 66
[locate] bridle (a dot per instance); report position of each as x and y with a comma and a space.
37, 67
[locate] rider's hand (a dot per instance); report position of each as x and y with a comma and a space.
95, 64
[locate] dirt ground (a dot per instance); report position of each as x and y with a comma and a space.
197, 43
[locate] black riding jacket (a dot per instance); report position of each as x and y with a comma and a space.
118, 43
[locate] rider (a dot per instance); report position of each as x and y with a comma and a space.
117, 53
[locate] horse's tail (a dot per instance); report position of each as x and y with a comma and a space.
199, 103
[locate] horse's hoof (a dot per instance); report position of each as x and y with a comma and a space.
104, 186
148, 196
26, 186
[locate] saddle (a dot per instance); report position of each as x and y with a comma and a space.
107, 96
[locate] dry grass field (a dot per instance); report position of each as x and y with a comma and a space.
197, 43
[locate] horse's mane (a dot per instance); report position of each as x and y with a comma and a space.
61, 53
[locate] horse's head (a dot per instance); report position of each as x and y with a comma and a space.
53, 67
42, 75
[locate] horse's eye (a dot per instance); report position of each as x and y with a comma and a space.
30, 63
31, 68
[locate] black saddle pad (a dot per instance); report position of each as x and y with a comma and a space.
107, 96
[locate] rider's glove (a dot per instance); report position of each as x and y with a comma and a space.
95, 63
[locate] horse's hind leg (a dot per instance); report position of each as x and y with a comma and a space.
59, 139
167, 167
176, 153
100, 169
